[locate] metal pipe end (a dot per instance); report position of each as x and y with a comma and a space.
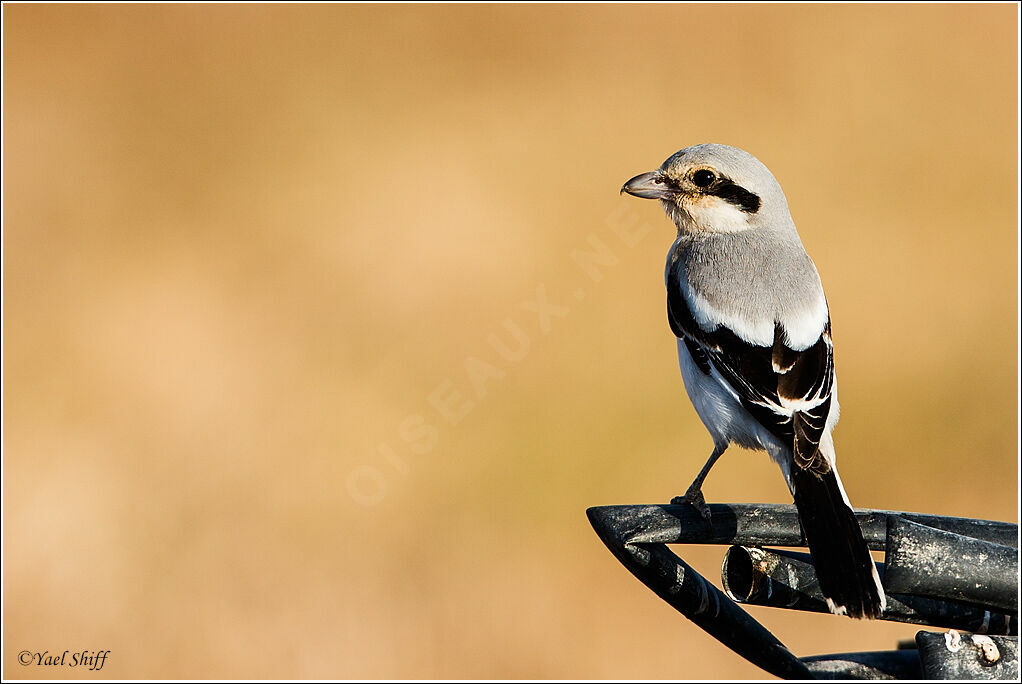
739, 576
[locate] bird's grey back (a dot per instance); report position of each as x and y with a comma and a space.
743, 275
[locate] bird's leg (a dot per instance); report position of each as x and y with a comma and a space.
694, 495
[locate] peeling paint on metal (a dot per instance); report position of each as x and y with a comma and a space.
987, 648
953, 640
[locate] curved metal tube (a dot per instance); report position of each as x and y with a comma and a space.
783, 579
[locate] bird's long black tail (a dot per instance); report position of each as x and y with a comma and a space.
844, 568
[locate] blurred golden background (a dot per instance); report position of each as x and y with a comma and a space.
302, 378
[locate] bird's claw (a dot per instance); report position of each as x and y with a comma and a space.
694, 498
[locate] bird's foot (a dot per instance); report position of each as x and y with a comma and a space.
694, 498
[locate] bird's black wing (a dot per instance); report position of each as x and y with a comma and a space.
786, 391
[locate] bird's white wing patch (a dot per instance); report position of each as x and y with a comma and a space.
803, 327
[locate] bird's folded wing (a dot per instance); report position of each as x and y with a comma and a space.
786, 391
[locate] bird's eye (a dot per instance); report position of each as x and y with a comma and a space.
703, 178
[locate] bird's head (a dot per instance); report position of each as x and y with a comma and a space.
714, 188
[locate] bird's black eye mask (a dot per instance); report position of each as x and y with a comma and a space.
709, 183
726, 189
735, 194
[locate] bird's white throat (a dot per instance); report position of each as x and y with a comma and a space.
707, 214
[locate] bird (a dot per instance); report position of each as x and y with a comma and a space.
753, 329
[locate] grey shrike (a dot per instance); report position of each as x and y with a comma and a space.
747, 306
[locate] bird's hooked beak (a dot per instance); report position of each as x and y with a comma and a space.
650, 185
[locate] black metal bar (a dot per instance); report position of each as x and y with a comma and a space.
778, 525
639, 549
925, 561
784, 579
762, 577
868, 665
874, 527
638, 535
955, 655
